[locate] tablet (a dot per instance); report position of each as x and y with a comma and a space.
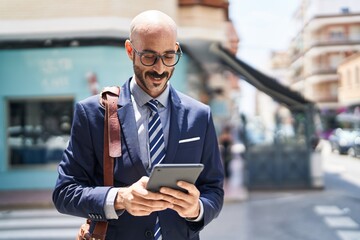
167, 175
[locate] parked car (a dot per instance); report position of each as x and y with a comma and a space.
341, 140
354, 151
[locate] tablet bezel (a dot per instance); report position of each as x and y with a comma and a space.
167, 175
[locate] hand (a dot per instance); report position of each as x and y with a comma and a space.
185, 204
138, 201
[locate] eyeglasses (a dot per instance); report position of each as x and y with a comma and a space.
169, 59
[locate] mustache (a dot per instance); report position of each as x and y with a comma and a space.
156, 75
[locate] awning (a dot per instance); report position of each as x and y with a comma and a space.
262, 82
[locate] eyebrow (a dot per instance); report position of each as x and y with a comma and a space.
152, 51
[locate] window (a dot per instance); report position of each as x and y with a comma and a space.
333, 89
349, 79
341, 80
335, 60
38, 130
336, 34
345, 10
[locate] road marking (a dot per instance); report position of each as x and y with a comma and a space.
348, 235
340, 222
335, 218
38, 224
328, 210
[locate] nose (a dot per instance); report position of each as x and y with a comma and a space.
159, 66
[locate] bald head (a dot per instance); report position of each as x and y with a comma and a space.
152, 22
151, 46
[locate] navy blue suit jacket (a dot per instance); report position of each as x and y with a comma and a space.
79, 189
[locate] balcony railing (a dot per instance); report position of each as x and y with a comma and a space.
321, 98
322, 71
351, 40
210, 3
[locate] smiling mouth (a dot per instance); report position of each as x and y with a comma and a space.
156, 76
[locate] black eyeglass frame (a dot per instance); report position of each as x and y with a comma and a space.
140, 54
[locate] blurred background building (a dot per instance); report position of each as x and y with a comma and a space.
349, 81
54, 53
328, 32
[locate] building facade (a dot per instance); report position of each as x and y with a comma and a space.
349, 91
54, 53
349, 81
328, 32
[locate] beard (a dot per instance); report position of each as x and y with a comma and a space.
147, 86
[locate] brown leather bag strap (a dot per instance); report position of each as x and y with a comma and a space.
112, 133
111, 95
112, 146
99, 232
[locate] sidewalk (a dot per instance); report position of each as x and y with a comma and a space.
25, 199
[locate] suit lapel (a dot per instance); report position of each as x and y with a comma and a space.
128, 127
176, 121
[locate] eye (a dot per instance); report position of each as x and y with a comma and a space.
169, 55
149, 55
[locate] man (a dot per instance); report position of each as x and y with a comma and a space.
188, 137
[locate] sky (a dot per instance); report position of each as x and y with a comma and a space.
263, 26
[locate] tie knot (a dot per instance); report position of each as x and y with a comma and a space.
153, 105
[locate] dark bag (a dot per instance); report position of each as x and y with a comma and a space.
112, 149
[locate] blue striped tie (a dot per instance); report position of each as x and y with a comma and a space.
156, 148
156, 135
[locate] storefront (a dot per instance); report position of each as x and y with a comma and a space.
286, 155
40, 83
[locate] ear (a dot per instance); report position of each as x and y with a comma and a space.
129, 49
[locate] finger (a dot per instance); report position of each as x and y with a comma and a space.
145, 194
140, 208
187, 210
144, 180
188, 186
178, 198
159, 204
150, 207
180, 210
139, 212
173, 194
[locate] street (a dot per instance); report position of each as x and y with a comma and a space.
329, 214
38, 224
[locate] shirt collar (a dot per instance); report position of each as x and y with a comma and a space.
141, 97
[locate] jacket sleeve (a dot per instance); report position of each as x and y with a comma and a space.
79, 189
